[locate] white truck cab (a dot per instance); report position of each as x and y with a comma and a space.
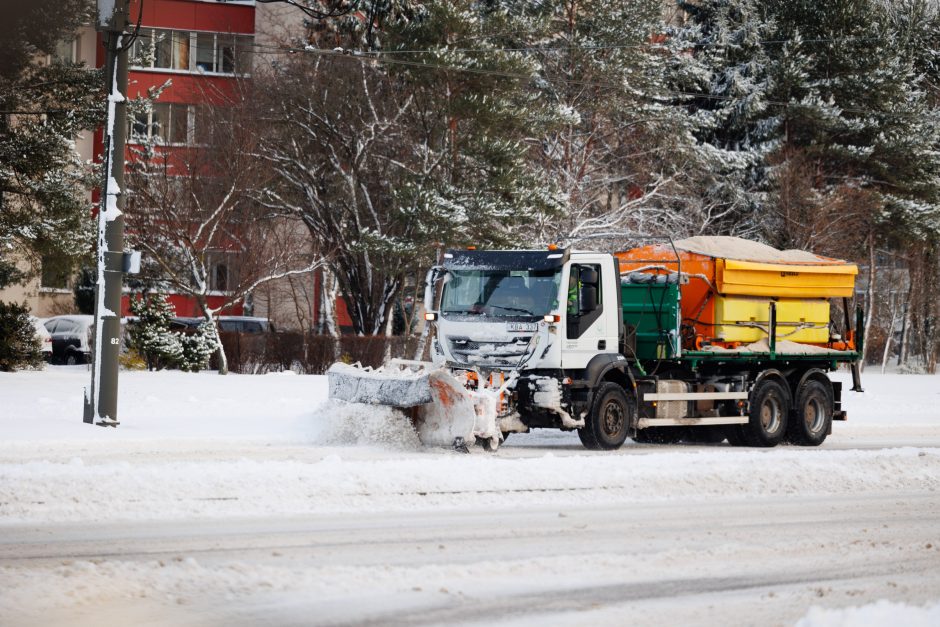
526, 310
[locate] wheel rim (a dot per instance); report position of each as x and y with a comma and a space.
770, 414
813, 415
613, 418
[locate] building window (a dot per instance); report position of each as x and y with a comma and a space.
68, 50
223, 275
53, 275
223, 270
166, 123
220, 278
215, 53
205, 52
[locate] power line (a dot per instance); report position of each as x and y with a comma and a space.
386, 58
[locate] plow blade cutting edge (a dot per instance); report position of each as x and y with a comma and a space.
444, 412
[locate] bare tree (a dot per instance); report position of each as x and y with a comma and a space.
339, 155
194, 217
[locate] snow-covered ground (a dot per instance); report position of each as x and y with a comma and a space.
242, 499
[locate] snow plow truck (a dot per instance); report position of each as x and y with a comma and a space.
702, 339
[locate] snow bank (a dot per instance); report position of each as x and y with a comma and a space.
873, 615
75, 490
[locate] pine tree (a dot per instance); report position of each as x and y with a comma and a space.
830, 91
721, 76
621, 153
198, 347
43, 208
19, 346
151, 335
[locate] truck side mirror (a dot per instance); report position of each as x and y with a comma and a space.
588, 298
435, 274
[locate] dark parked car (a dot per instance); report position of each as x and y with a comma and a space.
233, 324
71, 338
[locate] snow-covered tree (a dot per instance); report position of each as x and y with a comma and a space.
720, 74
196, 348
193, 214
19, 346
44, 212
387, 157
620, 152
151, 335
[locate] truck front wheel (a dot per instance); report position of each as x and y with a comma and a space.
769, 409
609, 419
812, 415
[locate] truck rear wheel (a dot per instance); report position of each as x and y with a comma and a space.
812, 413
609, 419
769, 409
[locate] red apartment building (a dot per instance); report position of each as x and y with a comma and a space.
202, 47
199, 46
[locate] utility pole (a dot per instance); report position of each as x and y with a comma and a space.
101, 403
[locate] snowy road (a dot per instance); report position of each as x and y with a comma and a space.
724, 561
243, 500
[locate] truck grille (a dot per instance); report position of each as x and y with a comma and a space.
471, 352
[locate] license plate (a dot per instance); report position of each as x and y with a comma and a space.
521, 326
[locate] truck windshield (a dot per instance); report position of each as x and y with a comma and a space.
502, 293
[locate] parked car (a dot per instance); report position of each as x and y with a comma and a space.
44, 338
245, 324
232, 324
71, 338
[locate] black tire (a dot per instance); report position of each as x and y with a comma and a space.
811, 418
660, 435
586, 435
768, 413
72, 359
608, 422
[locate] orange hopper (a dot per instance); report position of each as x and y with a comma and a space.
728, 284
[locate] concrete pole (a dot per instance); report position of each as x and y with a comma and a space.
101, 403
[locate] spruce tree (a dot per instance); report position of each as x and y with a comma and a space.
44, 211
151, 335
198, 347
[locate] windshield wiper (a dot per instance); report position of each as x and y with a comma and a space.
524, 311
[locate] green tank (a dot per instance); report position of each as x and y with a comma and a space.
651, 314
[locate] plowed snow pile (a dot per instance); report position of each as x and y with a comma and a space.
880, 613
339, 423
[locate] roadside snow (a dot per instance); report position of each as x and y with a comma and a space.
873, 615
244, 499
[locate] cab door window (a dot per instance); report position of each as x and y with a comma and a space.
585, 301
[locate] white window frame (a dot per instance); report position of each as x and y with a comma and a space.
241, 39
136, 138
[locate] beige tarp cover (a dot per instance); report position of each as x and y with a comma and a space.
723, 246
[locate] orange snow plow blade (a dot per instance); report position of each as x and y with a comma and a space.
443, 410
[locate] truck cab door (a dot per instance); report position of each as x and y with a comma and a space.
591, 323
